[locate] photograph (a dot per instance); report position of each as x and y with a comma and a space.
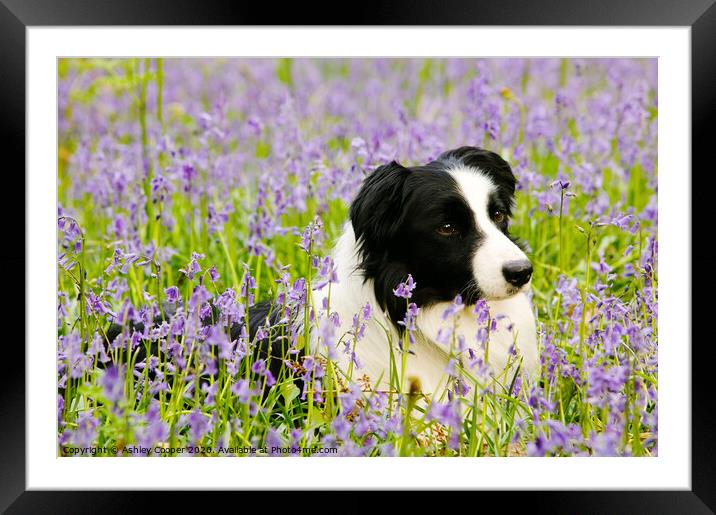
360, 256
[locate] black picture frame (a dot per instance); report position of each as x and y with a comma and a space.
699, 15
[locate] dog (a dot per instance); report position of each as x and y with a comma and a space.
444, 224
444, 227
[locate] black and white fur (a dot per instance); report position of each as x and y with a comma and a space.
446, 224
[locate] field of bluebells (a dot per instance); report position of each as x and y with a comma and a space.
187, 184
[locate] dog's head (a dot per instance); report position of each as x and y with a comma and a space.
446, 223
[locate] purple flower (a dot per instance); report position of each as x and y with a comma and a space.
481, 312
213, 274
259, 367
86, 432
455, 307
243, 391
113, 384
561, 184
405, 289
216, 219
198, 426
248, 285
601, 267
312, 235
155, 430
408, 322
60, 409
217, 337
621, 221
327, 273
193, 267
445, 413
172, 294
367, 312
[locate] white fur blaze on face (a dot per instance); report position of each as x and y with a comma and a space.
495, 249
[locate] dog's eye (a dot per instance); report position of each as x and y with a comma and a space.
447, 230
498, 217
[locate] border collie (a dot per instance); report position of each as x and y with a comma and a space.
445, 224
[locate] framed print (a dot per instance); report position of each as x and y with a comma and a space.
442, 256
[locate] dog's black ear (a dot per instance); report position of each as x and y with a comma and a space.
376, 212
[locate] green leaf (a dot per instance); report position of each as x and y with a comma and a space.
284, 72
289, 391
263, 149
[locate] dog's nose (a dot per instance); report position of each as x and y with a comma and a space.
517, 273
